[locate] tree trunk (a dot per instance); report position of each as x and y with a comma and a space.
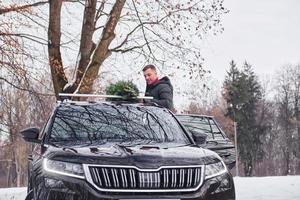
297, 117
101, 52
54, 34
86, 44
8, 174
18, 173
16, 153
287, 164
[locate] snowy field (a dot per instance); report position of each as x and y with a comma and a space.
268, 188
255, 188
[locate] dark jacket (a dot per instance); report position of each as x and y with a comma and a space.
162, 92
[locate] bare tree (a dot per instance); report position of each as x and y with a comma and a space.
19, 109
166, 33
158, 31
18, 44
288, 113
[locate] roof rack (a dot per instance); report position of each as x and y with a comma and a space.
101, 96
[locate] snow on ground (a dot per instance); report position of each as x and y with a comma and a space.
254, 188
268, 188
13, 193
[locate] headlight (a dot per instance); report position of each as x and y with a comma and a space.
214, 169
63, 168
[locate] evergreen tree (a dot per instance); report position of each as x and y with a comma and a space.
232, 90
242, 92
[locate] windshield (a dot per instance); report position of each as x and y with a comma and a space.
202, 124
123, 124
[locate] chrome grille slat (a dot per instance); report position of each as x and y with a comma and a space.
123, 178
140, 179
151, 180
115, 177
148, 180
132, 178
127, 179
197, 173
173, 177
155, 180
97, 176
166, 178
107, 177
114, 181
181, 175
188, 178
158, 180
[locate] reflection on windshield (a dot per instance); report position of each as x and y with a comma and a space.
101, 123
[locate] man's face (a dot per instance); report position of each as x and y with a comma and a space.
150, 76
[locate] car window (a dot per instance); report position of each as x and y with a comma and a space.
46, 126
201, 124
111, 123
217, 134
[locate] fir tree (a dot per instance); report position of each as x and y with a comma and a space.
242, 92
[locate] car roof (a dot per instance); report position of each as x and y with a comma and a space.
105, 102
195, 115
66, 99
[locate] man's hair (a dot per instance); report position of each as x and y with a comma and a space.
149, 67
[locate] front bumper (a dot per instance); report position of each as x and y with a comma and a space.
51, 187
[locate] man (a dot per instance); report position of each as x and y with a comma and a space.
160, 89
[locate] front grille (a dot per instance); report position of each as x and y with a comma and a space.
132, 179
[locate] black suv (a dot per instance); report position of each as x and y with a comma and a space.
102, 150
216, 139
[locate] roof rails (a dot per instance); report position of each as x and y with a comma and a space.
64, 96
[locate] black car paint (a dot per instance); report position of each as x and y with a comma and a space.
64, 187
144, 159
67, 186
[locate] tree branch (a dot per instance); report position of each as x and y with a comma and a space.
86, 44
131, 32
16, 8
101, 52
142, 24
26, 36
128, 49
143, 30
99, 12
23, 89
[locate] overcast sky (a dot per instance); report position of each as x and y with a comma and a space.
266, 33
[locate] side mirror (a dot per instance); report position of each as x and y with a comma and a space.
31, 135
200, 138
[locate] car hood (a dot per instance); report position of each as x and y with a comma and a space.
139, 156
